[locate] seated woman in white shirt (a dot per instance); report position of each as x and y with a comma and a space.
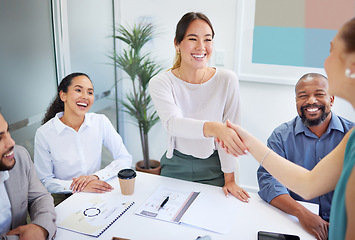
68, 146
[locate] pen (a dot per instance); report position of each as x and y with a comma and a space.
164, 202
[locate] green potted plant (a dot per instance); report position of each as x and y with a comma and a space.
140, 68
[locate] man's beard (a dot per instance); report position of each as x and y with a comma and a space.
313, 122
4, 167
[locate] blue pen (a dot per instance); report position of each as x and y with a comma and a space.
164, 202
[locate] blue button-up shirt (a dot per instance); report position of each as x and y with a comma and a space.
295, 142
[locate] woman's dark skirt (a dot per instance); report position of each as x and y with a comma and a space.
187, 167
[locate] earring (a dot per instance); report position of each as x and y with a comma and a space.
349, 74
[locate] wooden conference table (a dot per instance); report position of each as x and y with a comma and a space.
247, 218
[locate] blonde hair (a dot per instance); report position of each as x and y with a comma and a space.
177, 61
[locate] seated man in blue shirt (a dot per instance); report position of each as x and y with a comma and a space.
305, 140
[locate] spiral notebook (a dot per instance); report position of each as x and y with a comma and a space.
92, 216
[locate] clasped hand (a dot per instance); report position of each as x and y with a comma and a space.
89, 183
231, 141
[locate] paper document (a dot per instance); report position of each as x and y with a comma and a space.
196, 209
172, 211
93, 216
313, 207
213, 212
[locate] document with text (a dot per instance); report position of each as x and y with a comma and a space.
176, 204
195, 209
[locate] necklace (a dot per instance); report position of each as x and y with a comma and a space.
188, 85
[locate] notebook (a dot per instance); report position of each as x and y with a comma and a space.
92, 216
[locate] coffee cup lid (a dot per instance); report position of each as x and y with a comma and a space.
126, 174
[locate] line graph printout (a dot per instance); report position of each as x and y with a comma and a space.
173, 210
202, 210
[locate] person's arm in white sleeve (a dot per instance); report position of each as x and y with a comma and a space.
229, 162
231, 113
113, 141
44, 167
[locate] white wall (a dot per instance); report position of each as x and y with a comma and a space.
264, 106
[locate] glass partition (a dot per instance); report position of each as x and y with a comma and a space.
27, 66
41, 41
90, 30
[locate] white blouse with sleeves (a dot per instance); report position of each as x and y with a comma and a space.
184, 108
61, 153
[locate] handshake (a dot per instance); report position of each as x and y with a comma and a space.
233, 139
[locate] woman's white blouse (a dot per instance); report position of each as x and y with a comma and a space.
184, 108
61, 153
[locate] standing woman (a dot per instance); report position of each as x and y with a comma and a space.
337, 169
193, 102
68, 146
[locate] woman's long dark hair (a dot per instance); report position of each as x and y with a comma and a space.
58, 105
